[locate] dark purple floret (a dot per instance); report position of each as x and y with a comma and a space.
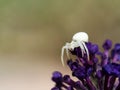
78, 70
115, 53
112, 69
57, 77
116, 49
107, 44
78, 85
93, 48
95, 60
103, 56
82, 72
79, 73
68, 80
73, 65
89, 71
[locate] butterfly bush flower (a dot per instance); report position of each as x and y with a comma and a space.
100, 72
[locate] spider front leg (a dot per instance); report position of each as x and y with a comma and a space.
86, 49
81, 47
66, 47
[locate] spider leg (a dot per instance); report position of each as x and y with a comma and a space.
62, 54
86, 49
67, 52
82, 48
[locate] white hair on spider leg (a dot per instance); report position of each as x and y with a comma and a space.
78, 40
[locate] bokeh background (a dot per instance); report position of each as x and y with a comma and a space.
32, 33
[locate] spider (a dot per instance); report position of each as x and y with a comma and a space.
78, 40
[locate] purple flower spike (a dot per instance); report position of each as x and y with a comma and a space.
100, 72
107, 45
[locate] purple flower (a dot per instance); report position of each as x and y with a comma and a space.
101, 72
115, 53
57, 77
93, 48
107, 44
112, 69
117, 48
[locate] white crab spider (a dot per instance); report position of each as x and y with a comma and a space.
78, 40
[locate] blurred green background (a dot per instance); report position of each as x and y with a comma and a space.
32, 33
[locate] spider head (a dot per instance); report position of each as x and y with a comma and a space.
80, 36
